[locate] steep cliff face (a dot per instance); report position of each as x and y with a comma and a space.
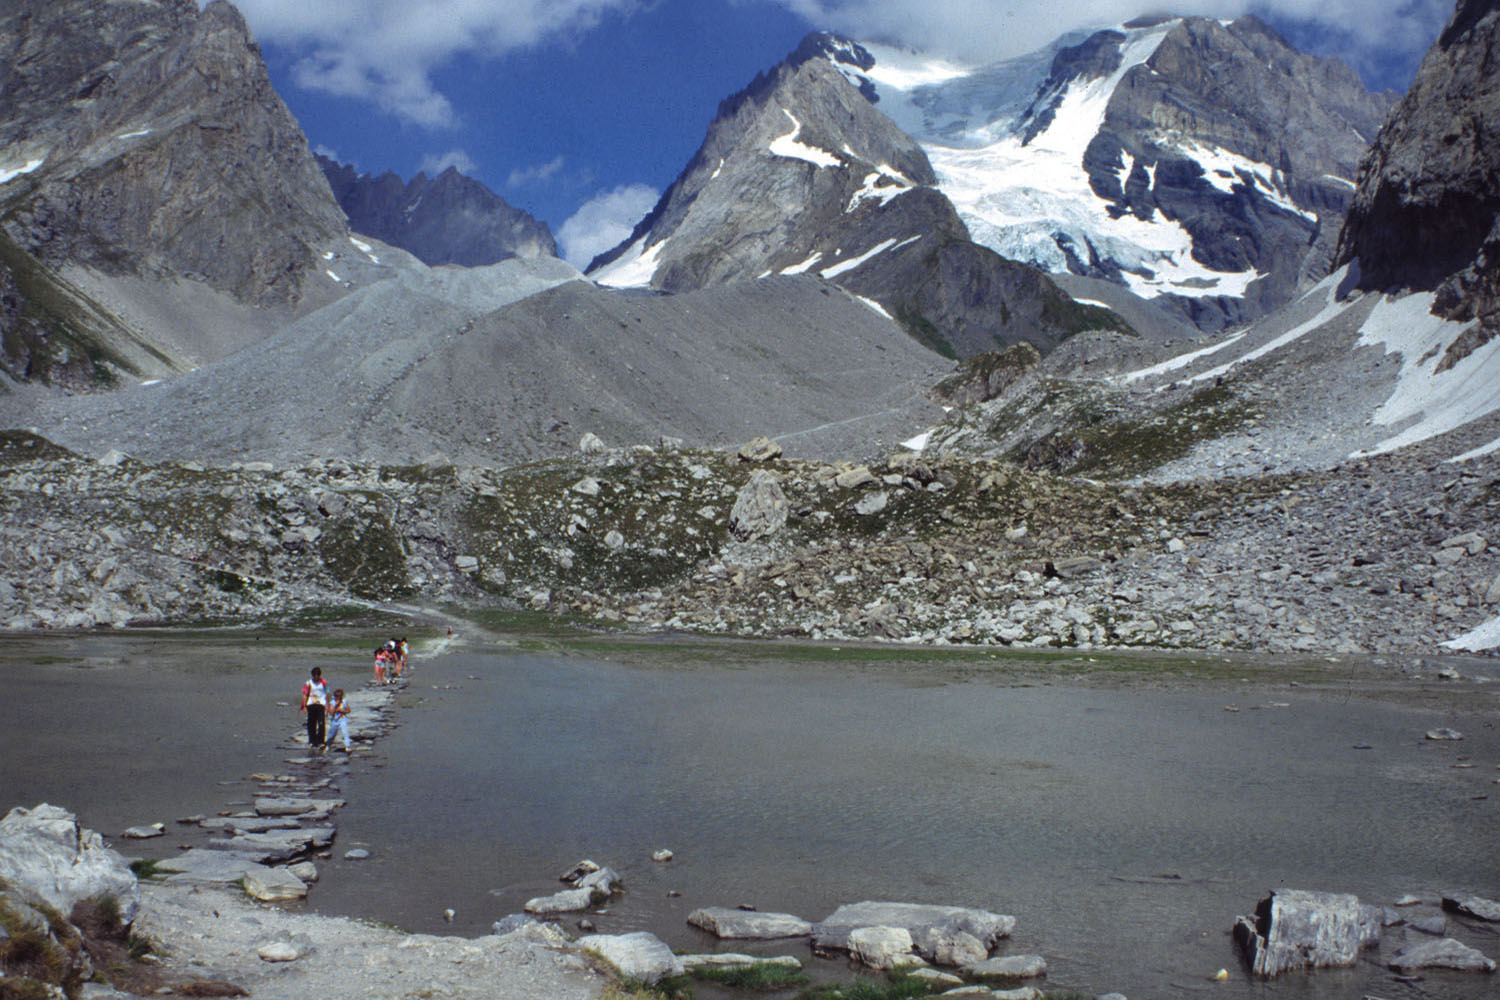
801, 174
144, 137
1426, 216
447, 219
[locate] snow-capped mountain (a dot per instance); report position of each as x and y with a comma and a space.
447, 219
801, 174
1200, 162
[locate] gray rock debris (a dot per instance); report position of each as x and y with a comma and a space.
1472, 906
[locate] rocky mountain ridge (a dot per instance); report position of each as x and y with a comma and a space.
801, 174
446, 219
143, 138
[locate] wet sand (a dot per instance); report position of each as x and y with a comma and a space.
797, 783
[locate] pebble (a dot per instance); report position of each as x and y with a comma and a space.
357, 854
279, 951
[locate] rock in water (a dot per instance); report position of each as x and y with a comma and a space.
726, 923
1473, 906
1443, 954
1296, 929
45, 854
760, 509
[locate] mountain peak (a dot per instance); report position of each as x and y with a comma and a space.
447, 219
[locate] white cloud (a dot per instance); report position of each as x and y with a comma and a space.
435, 163
522, 176
982, 30
385, 50
603, 222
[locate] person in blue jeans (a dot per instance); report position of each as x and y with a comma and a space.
338, 715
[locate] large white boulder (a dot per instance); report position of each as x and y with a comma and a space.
45, 854
641, 956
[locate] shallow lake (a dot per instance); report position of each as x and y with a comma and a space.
1124, 825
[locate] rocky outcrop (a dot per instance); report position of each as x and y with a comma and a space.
447, 219
800, 173
1426, 216
145, 138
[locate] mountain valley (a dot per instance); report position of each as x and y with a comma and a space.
824, 389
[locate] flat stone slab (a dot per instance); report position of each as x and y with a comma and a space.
202, 864
278, 805
1472, 906
730, 960
277, 845
1445, 953
273, 885
250, 824
641, 955
753, 925
1013, 966
833, 930
145, 832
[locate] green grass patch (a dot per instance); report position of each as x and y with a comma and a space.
151, 869
760, 977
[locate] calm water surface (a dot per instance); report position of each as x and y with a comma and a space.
798, 788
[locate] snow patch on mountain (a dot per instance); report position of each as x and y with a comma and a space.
8, 174
1226, 170
633, 268
789, 146
1328, 287
1429, 399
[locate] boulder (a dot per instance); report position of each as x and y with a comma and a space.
748, 925
641, 956
760, 509
883, 948
872, 503
1472, 906
1296, 929
273, 885
591, 445
46, 855
761, 449
1011, 966
833, 931
1445, 953
945, 944
1445, 735
853, 479
604, 882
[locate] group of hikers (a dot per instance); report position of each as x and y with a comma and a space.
328, 714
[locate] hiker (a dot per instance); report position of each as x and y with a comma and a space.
402, 650
338, 711
314, 698
381, 657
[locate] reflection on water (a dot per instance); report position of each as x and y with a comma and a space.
1124, 828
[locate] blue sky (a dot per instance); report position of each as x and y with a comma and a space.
582, 111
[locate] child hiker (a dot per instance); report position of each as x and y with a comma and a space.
314, 698
338, 712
